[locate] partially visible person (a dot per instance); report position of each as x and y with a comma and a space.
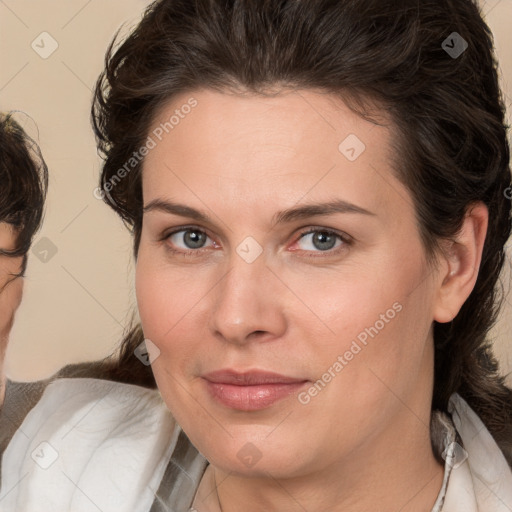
11, 290
23, 189
23, 185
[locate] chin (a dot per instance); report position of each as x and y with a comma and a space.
252, 453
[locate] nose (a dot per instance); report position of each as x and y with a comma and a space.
248, 304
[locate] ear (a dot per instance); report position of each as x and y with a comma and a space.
460, 263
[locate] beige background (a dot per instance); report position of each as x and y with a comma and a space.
77, 301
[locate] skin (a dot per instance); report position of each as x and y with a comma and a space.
363, 442
11, 290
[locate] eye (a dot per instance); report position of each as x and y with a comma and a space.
321, 240
188, 238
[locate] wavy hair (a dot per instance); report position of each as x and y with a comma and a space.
409, 57
24, 184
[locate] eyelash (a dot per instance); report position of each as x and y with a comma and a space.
346, 240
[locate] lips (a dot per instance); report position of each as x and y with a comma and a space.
251, 378
250, 391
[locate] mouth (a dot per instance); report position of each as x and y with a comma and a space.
250, 391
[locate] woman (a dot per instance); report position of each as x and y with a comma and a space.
316, 194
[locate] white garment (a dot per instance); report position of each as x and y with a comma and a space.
89, 445
105, 446
483, 481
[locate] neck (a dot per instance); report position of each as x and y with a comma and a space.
399, 472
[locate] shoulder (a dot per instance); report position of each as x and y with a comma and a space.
88, 433
74, 388
21, 397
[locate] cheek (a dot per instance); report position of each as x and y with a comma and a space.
166, 308
155, 299
167, 300
10, 300
17, 293
358, 304
379, 322
369, 370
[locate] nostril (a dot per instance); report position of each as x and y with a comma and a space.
258, 333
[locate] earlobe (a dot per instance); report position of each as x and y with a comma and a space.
461, 263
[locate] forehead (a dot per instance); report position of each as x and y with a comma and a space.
306, 121
279, 149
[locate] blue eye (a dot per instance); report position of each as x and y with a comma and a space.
321, 240
188, 238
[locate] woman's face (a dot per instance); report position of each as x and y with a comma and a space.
282, 282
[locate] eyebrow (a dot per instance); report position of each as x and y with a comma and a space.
290, 215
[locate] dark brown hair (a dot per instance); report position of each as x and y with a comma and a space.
24, 183
446, 107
